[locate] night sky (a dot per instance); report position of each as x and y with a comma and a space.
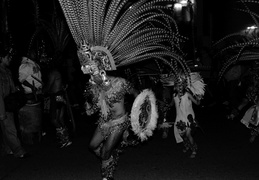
228, 19
224, 16
21, 19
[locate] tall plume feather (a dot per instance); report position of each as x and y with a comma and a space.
131, 32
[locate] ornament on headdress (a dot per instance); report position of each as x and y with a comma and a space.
106, 81
96, 58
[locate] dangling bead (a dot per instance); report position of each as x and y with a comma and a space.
106, 82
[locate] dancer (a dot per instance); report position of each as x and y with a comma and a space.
11, 142
30, 115
250, 102
30, 77
251, 121
55, 88
115, 34
109, 94
251, 116
188, 90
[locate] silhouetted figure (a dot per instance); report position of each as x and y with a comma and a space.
30, 115
55, 89
11, 143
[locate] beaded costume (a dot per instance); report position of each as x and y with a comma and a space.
251, 116
103, 102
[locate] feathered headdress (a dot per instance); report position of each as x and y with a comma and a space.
239, 47
194, 82
116, 33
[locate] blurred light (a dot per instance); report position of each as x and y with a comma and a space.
169, 5
251, 27
250, 30
178, 7
183, 2
192, 1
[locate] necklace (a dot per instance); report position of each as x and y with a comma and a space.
105, 86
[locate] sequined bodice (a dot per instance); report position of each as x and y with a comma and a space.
114, 94
104, 98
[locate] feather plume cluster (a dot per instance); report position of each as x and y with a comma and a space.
196, 84
193, 80
240, 46
131, 32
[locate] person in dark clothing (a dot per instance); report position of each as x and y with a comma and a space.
55, 89
11, 143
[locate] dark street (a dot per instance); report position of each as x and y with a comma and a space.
224, 153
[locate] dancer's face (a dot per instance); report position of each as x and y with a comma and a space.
180, 90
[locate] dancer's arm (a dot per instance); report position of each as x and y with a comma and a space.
193, 99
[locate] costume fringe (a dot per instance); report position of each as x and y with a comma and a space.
196, 84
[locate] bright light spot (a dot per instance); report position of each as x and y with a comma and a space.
251, 27
169, 5
183, 2
178, 7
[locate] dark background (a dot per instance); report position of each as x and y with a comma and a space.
221, 17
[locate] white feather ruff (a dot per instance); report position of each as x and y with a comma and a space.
196, 84
143, 134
